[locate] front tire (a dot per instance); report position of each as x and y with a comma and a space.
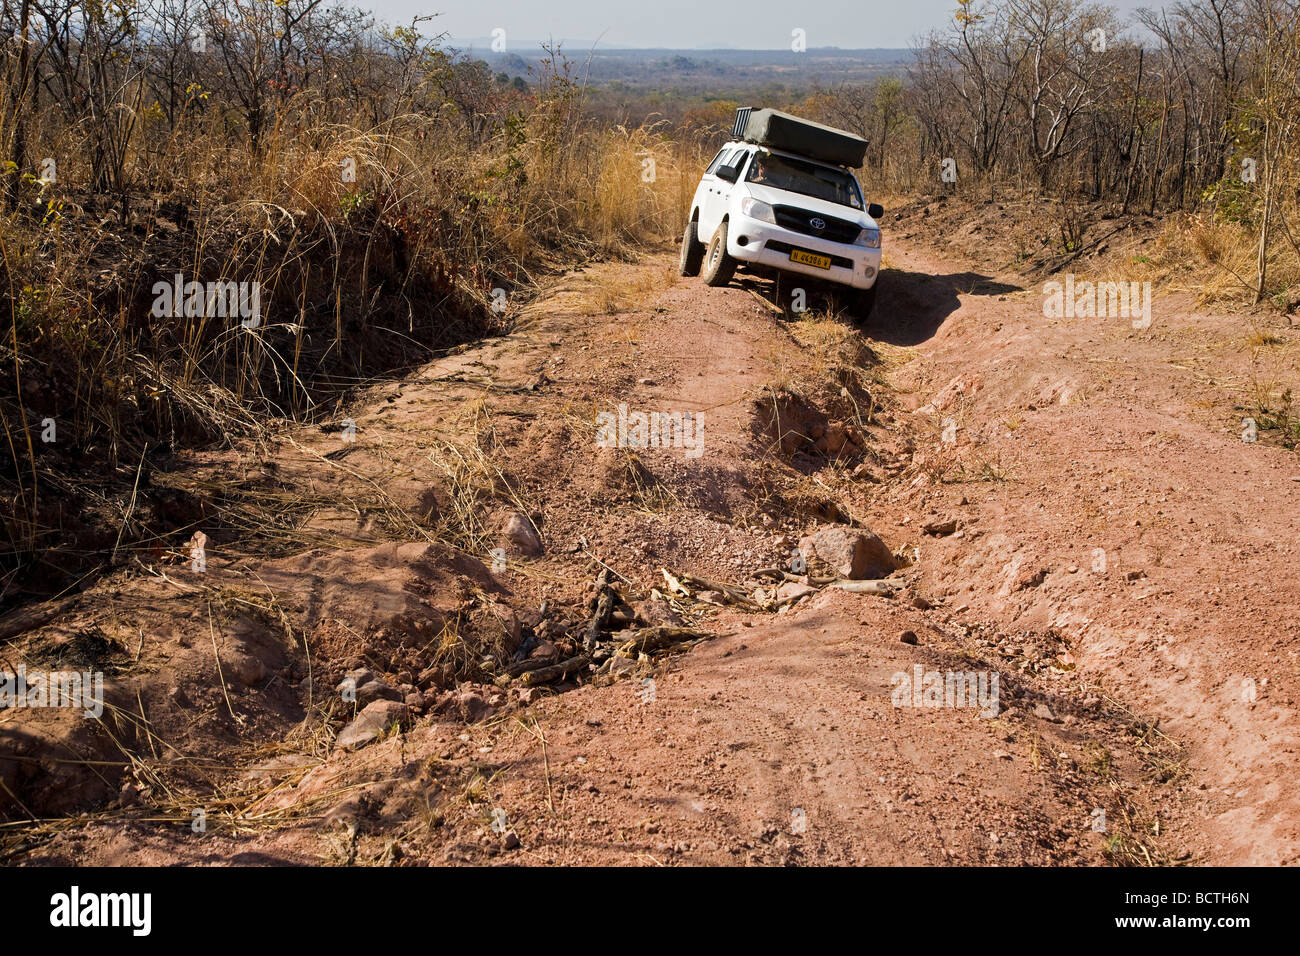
692, 254
719, 267
864, 303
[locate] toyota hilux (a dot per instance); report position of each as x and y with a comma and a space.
781, 197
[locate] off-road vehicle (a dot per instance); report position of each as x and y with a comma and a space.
781, 197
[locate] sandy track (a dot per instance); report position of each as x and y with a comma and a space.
777, 741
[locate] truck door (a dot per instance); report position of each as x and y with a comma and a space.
716, 192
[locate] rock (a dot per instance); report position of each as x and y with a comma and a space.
511, 841
509, 622
1044, 712
940, 527
247, 669
619, 666
371, 724
793, 590
854, 553
472, 706
372, 691
518, 536
362, 675
920, 603
656, 610
415, 702
178, 697
835, 438
1029, 578
544, 651
908, 637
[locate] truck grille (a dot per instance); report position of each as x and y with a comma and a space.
800, 220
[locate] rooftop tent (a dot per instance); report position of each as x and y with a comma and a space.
779, 130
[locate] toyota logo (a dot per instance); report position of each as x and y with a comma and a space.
817, 224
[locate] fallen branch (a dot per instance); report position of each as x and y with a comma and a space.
604, 607
28, 619
657, 638
544, 675
880, 588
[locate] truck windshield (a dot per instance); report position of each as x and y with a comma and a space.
797, 176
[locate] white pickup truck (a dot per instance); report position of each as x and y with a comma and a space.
780, 197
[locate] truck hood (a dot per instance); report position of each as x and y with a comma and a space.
783, 197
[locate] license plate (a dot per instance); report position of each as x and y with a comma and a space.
810, 259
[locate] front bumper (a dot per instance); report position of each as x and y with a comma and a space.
762, 243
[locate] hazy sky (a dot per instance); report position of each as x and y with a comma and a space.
686, 24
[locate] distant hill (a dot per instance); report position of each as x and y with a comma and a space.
718, 70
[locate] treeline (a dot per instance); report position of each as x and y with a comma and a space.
1193, 106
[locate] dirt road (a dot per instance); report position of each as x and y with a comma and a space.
1076, 510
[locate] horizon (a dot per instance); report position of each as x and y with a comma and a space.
685, 25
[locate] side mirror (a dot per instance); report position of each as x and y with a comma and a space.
875, 210
729, 173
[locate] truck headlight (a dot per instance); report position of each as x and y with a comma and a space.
869, 237
757, 210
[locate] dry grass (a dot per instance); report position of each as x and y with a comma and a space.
359, 279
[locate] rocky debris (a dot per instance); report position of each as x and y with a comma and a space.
940, 527
469, 703
358, 676
656, 610
371, 724
853, 553
1029, 578
908, 637
375, 690
545, 652
623, 471
368, 688
247, 669
835, 438
519, 536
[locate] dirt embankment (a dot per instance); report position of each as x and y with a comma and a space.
1067, 505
